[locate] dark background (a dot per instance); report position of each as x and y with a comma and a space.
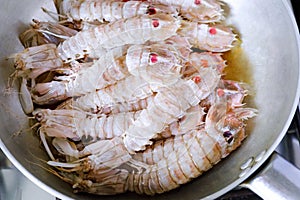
296, 7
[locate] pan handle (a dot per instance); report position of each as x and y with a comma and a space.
278, 180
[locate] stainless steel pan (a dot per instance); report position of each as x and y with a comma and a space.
271, 49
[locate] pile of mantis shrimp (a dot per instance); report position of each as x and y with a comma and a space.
131, 95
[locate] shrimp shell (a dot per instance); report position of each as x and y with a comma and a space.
127, 92
108, 183
187, 156
75, 124
204, 11
106, 71
234, 92
191, 154
45, 33
180, 45
93, 102
105, 155
135, 30
109, 11
25, 97
221, 119
170, 103
191, 120
159, 63
214, 38
199, 60
89, 103
184, 158
207, 59
171, 162
33, 61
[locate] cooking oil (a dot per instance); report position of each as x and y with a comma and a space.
239, 67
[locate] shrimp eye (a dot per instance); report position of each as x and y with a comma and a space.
39, 116
151, 10
227, 134
197, 79
155, 23
228, 137
153, 58
230, 141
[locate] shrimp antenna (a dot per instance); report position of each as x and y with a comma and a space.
53, 14
36, 25
43, 139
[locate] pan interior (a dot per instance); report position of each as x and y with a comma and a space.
269, 51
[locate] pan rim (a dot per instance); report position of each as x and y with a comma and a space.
223, 190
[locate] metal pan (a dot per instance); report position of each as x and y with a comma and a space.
270, 50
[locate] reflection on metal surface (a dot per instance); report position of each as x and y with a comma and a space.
260, 156
245, 171
247, 164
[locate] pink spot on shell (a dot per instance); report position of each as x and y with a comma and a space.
155, 23
204, 63
153, 58
197, 2
213, 31
197, 79
220, 92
